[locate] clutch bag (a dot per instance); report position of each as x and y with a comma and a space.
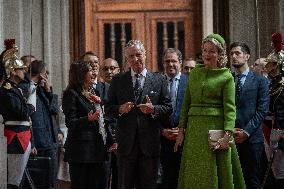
215, 135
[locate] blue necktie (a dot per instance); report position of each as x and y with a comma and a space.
173, 93
137, 88
239, 87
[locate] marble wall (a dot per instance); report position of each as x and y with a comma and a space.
41, 28
254, 24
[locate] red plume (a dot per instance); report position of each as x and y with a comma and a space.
276, 39
9, 43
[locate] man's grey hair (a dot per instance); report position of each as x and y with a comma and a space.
135, 43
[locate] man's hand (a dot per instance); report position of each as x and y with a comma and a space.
239, 135
126, 107
60, 137
113, 148
44, 81
170, 134
148, 107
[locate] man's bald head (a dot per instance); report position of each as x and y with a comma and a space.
110, 68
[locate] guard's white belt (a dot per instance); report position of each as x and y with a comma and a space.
24, 123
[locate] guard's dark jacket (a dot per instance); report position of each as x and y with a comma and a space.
277, 103
13, 107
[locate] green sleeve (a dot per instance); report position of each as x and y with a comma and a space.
229, 104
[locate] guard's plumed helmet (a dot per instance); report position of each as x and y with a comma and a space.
10, 60
277, 55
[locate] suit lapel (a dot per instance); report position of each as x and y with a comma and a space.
83, 100
127, 88
248, 83
147, 86
99, 88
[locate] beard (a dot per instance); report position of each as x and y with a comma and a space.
238, 65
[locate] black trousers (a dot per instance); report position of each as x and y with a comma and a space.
170, 165
137, 170
252, 162
89, 175
114, 172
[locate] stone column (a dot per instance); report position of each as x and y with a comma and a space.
41, 28
3, 157
3, 141
246, 19
207, 17
281, 16
1, 25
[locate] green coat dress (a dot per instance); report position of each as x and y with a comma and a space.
209, 103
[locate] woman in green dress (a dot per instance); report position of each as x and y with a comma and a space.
209, 104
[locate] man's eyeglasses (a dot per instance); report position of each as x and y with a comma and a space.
111, 68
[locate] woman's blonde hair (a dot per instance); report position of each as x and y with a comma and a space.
219, 41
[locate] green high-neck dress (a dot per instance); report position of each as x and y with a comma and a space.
208, 104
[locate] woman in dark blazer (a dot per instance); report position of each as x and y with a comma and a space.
86, 143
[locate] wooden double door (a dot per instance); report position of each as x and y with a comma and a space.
159, 24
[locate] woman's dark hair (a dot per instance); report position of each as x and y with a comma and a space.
36, 67
77, 74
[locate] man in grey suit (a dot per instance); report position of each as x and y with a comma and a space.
138, 99
252, 101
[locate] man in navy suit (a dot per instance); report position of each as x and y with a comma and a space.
252, 101
138, 99
170, 160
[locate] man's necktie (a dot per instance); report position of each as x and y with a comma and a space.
173, 92
137, 88
239, 87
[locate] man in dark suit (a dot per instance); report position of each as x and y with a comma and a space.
109, 69
138, 99
252, 101
170, 160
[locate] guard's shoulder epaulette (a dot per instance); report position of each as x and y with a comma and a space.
7, 86
282, 81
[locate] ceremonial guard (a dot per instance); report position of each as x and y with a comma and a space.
275, 70
16, 111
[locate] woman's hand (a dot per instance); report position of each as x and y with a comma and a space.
223, 143
94, 116
179, 139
